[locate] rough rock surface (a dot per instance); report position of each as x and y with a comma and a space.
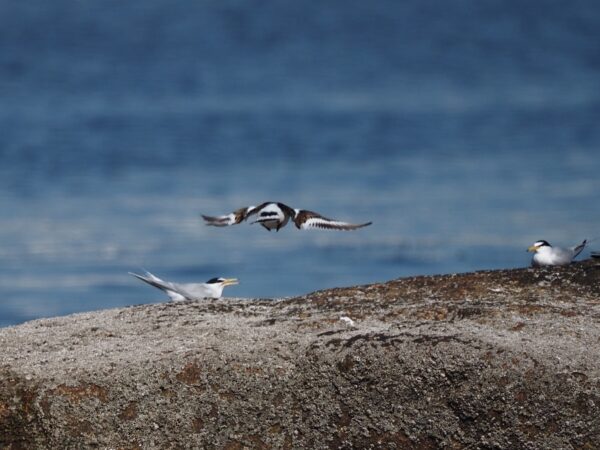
488, 360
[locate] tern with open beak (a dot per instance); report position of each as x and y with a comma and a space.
213, 288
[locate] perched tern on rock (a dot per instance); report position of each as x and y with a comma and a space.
546, 255
213, 288
274, 216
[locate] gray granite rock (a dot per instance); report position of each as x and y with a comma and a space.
488, 360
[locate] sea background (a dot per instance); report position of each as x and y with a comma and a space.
464, 130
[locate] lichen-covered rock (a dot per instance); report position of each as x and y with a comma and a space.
498, 360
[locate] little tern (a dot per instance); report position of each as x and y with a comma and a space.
546, 255
213, 288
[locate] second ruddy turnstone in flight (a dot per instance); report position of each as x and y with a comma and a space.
275, 215
546, 255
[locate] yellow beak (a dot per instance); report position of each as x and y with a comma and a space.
230, 281
533, 248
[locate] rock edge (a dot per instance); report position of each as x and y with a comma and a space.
497, 360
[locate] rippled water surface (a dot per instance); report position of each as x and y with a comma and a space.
464, 132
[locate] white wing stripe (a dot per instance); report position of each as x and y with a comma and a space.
316, 222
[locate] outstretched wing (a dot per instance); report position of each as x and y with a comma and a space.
229, 219
173, 290
308, 219
577, 250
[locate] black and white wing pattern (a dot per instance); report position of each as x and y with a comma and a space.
305, 220
233, 218
275, 215
272, 211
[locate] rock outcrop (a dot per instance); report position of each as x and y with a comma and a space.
496, 360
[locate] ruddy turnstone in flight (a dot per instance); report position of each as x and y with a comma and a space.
546, 255
274, 216
213, 288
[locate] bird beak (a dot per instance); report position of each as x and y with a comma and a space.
230, 281
533, 248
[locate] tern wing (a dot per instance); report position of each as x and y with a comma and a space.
309, 219
233, 218
579, 248
173, 290
561, 256
196, 290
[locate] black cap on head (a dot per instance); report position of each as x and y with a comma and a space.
542, 243
214, 280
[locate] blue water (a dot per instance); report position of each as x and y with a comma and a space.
465, 131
